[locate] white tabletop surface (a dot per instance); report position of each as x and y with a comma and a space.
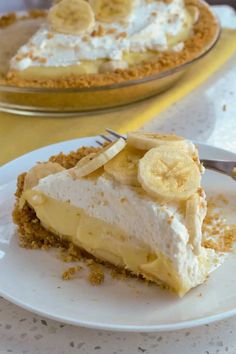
209, 115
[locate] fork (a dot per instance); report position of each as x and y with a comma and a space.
222, 166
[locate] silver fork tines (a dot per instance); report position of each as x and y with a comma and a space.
115, 134
99, 143
109, 138
225, 167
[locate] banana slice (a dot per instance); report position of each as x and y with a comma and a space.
147, 141
124, 167
193, 222
194, 12
111, 66
168, 174
111, 10
71, 17
39, 171
94, 161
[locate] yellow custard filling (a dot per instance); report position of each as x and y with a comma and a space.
104, 241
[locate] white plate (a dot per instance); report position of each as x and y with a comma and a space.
32, 279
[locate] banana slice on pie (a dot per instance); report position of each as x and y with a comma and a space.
168, 174
124, 167
194, 12
71, 17
194, 222
147, 141
111, 10
92, 162
39, 171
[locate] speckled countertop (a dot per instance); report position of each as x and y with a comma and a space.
208, 114
23, 332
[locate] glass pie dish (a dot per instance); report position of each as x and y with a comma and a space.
56, 101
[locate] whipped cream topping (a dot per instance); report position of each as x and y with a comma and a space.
161, 227
148, 27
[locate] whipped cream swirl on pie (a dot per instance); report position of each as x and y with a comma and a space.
151, 26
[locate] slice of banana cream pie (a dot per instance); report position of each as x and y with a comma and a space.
136, 204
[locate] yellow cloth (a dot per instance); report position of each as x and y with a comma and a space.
21, 134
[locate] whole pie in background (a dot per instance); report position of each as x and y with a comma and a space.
78, 43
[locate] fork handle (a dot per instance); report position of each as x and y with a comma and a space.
226, 167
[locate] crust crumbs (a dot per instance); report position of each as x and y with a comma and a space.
12, 17
222, 236
96, 273
224, 243
120, 274
70, 273
7, 20
70, 160
202, 35
36, 13
71, 253
99, 32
